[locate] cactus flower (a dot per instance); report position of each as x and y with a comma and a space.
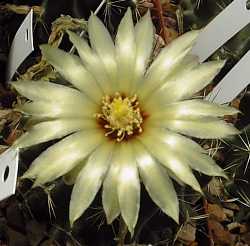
123, 119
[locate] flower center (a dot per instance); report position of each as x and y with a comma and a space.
120, 116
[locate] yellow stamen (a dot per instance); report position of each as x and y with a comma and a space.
122, 115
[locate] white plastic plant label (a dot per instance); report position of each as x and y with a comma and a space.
22, 45
214, 35
223, 27
233, 83
8, 172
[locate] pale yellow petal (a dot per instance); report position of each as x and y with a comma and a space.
70, 177
177, 164
167, 62
157, 182
192, 109
204, 164
103, 44
72, 69
33, 120
186, 85
48, 92
63, 156
54, 110
208, 127
167, 57
144, 36
109, 195
174, 140
93, 63
128, 186
89, 180
197, 157
125, 52
175, 177
54, 129
189, 62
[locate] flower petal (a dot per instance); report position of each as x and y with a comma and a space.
93, 63
89, 180
31, 121
103, 44
205, 164
144, 36
192, 109
58, 110
128, 187
175, 141
71, 68
109, 195
63, 156
177, 164
157, 182
207, 127
126, 52
54, 129
70, 177
167, 61
197, 157
186, 85
181, 69
48, 92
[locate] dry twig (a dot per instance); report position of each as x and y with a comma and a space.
159, 10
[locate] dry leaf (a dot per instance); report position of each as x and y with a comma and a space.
221, 236
216, 213
187, 233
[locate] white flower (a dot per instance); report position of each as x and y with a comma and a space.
122, 121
